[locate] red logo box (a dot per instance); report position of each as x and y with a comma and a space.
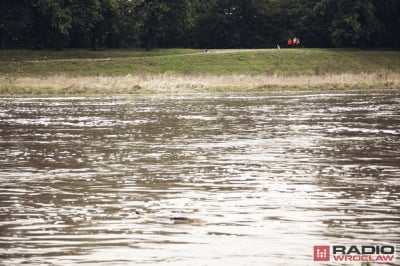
322, 253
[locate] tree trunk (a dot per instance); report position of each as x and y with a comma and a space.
94, 39
150, 39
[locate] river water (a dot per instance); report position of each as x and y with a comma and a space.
259, 179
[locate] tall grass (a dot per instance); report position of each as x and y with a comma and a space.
172, 83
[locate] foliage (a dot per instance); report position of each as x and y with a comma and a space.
197, 23
352, 23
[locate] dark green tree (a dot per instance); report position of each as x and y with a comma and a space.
154, 16
351, 23
17, 19
104, 23
387, 14
87, 24
165, 22
198, 23
56, 21
181, 20
235, 23
120, 19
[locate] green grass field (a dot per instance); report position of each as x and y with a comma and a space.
286, 62
17, 64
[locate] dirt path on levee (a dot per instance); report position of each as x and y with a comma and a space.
204, 51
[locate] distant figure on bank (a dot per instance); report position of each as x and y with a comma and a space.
278, 46
296, 42
289, 42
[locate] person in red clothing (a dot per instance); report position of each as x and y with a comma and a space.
289, 42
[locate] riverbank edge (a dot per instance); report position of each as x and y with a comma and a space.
185, 84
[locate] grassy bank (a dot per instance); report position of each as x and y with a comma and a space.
187, 70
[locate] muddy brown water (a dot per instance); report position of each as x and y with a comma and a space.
267, 177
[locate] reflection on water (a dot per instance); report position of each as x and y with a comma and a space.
96, 180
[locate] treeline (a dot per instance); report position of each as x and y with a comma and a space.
40, 24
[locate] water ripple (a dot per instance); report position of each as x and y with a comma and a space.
196, 180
